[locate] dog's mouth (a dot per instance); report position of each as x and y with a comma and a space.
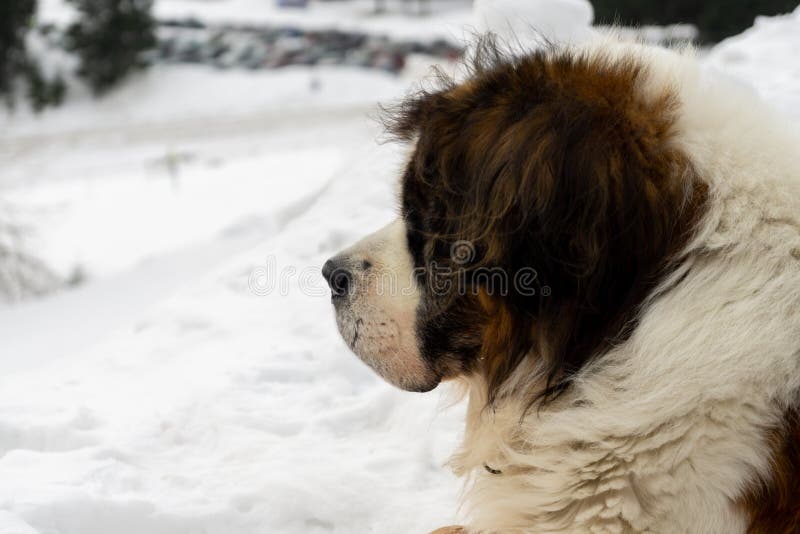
359, 323
350, 327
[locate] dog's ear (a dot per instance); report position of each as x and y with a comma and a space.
439, 97
404, 120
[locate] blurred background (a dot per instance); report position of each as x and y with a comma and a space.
173, 173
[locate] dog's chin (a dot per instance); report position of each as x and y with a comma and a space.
387, 351
391, 365
419, 388
405, 384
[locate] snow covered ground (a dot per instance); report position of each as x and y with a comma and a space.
195, 382
228, 407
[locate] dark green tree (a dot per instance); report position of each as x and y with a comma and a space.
15, 20
716, 19
43, 92
111, 38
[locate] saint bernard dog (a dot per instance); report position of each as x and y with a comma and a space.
601, 242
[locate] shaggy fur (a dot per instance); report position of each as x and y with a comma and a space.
650, 382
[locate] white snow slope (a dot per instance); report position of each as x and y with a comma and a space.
196, 383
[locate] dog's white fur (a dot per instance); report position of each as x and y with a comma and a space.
380, 324
665, 432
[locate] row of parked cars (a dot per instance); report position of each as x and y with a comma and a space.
272, 47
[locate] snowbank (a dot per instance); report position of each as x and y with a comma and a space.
169, 93
765, 58
559, 21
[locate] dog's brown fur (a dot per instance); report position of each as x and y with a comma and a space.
774, 504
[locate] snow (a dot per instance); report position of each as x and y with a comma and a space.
197, 93
223, 409
557, 21
195, 382
168, 394
764, 57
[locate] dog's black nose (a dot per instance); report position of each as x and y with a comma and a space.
339, 278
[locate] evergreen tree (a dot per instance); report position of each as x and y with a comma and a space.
41, 91
716, 19
21, 273
15, 20
110, 39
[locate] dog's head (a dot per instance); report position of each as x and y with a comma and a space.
545, 198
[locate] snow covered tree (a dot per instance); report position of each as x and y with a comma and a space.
22, 274
15, 20
110, 39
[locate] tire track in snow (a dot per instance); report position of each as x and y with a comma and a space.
184, 129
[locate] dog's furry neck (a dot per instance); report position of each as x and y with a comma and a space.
574, 468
